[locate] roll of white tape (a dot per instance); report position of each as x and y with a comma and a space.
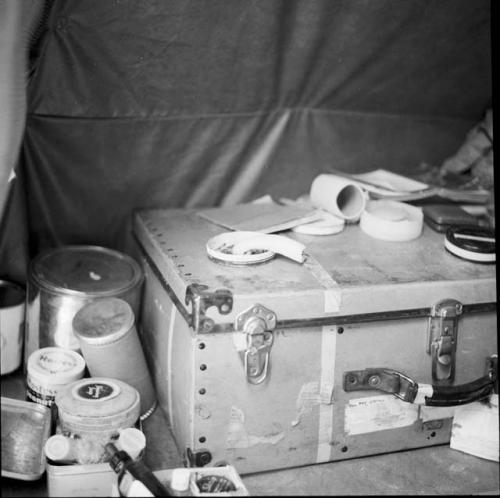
392, 221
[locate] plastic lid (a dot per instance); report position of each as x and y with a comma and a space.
103, 321
89, 270
56, 365
180, 479
99, 403
58, 447
471, 243
131, 440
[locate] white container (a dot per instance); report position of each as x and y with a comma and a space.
49, 369
196, 475
80, 480
12, 304
111, 346
61, 280
93, 411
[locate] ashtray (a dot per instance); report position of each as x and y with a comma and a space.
220, 249
25, 429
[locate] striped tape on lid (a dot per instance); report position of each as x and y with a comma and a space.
471, 243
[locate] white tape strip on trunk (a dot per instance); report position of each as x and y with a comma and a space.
332, 291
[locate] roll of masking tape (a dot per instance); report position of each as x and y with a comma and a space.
391, 220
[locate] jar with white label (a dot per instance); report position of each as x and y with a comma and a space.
93, 411
48, 370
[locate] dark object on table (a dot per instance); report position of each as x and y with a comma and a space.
136, 470
472, 244
441, 216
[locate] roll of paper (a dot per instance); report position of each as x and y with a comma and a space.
339, 196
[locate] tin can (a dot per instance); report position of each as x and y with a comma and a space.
48, 370
111, 347
12, 299
62, 280
92, 411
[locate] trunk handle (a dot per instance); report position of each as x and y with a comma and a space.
406, 389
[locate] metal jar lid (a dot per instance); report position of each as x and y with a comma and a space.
85, 270
103, 321
54, 366
97, 404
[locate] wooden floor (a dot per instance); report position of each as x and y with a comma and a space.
436, 470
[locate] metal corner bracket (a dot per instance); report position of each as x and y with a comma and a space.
201, 298
197, 459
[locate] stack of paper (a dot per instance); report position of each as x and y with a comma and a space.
383, 184
265, 217
475, 429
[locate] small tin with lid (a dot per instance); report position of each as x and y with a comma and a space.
93, 411
111, 347
48, 370
62, 280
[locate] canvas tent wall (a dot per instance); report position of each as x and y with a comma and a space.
136, 104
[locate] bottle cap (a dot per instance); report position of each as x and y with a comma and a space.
58, 447
131, 440
180, 479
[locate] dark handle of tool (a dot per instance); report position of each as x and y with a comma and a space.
394, 382
460, 395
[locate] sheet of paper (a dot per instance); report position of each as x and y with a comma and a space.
391, 181
265, 217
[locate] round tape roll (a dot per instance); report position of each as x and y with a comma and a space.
391, 220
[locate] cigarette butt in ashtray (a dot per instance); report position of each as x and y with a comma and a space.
276, 243
338, 196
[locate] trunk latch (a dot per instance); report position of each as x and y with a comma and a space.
442, 339
257, 323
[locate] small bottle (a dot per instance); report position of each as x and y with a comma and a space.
133, 441
134, 477
180, 482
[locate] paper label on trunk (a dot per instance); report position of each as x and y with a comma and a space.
378, 413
